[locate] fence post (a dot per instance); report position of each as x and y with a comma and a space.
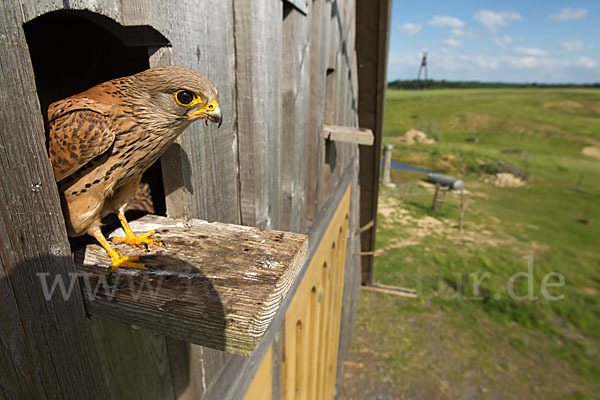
463, 208
387, 161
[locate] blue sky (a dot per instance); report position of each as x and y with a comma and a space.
502, 41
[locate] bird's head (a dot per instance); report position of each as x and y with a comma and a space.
180, 94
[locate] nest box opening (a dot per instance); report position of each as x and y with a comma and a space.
72, 51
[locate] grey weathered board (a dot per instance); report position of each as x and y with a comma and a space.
214, 284
296, 109
200, 171
314, 145
258, 28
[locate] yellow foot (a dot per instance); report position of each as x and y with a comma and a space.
141, 241
121, 261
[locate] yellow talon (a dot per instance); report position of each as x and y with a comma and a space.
141, 241
121, 261
117, 259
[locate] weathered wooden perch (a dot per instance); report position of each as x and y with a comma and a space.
348, 134
213, 284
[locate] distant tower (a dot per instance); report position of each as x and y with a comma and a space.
423, 67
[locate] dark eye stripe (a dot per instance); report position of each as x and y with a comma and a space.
185, 97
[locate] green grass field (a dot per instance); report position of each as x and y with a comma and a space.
471, 333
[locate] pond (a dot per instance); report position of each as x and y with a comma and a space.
399, 166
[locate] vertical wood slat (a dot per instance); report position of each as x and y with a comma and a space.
258, 46
340, 90
199, 171
296, 107
315, 145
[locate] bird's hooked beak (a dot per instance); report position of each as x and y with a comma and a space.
210, 112
215, 115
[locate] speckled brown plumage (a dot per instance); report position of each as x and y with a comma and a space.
103, 139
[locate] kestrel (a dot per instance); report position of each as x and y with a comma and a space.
103, 139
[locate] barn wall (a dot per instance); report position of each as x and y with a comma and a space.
281, 74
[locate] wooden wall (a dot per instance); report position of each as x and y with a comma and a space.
281, 73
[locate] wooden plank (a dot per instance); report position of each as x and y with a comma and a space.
200, 170
315, 145
339, 109
258, 46
193, 368
332, 82
130, 355
348, 134
295, 95
342, 86
213, 284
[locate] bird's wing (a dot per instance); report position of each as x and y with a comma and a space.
80, 130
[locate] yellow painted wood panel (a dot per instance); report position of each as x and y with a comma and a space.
312, 323
261, 387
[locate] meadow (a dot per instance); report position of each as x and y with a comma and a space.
508, 307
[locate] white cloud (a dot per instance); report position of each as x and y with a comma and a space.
486, 62
569, 14
491, 64
452, 42
525, 62
462, 33
467, 63
574, 45
458, 32
588, 63
530, 51
503, 40
410, 29
446, 21
496, 20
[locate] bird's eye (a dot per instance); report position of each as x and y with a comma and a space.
184, 97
